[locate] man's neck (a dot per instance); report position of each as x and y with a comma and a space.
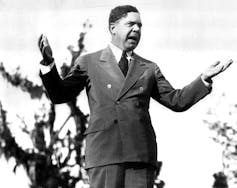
118, 51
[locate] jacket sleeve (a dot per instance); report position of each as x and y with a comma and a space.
178, 99
64, 90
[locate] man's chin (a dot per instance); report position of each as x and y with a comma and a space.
131, 46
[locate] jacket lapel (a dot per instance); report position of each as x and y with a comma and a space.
113, 74
136, 69
119, 84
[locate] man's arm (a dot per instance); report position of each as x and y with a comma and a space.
178, 100
181, 99
60, 91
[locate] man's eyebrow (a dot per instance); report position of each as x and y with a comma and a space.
138, 23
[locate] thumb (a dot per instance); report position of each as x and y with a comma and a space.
39, 41
215, 64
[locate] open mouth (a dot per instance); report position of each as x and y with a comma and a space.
133, 38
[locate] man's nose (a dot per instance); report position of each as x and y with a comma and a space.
136, 27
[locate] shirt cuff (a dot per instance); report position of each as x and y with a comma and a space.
46, 68
207, 83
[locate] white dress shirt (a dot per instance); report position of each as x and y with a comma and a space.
118, 53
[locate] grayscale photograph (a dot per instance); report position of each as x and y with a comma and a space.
118, 94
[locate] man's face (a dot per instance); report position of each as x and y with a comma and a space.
126, 32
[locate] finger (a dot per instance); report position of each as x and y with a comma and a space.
227, 65
39, 41
42, 43
215, 64
45, 41
230, 62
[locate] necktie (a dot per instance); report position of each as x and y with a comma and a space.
123, 63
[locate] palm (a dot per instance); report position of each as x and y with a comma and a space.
216, 69
45, 49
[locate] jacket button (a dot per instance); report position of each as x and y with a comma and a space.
141, 89
109, 86
115, 121
117, 102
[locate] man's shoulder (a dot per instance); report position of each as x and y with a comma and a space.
89, 57
92, 54
144, 60
106, 50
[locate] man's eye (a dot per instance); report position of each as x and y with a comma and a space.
131, 24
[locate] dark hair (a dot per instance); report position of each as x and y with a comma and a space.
120, 11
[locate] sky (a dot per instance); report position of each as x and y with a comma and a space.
183, 37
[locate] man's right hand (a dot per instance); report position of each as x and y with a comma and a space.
45, 50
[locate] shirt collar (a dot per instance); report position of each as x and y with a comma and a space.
118, 52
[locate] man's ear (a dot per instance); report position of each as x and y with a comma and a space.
112, 28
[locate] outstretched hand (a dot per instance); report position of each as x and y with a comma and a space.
215, 69
45, 50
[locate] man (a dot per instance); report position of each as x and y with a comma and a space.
121, 149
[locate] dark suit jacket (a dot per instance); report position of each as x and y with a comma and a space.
120, 127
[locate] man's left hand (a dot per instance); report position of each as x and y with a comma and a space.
215, 69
